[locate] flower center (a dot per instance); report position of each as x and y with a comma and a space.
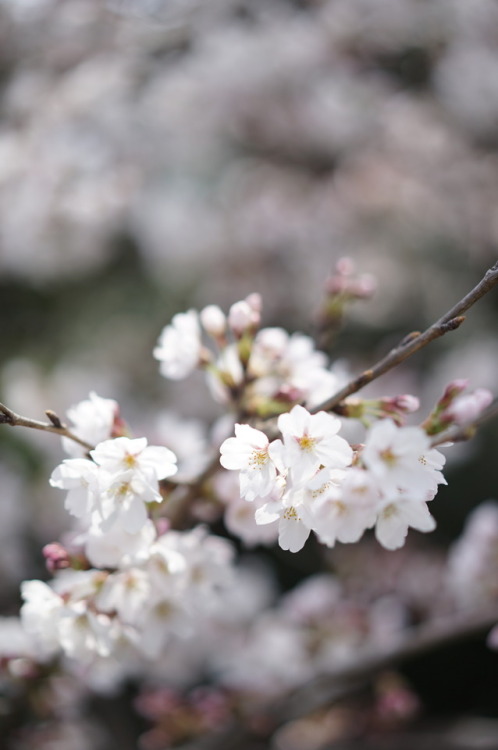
291, 514
130, 461
258, 459
388, 457
306, 443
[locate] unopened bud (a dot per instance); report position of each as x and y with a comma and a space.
255, 302
345, 266
213, 320
364, 287
406, 403
241, 317
467, 408
56, 557
162, 526
453, 390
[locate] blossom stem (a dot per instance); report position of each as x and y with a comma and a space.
414, 341
7, 416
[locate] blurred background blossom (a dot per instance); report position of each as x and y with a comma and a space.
157, 155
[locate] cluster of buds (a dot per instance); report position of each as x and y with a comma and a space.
341, 289
260, 371
456, 407
366, 410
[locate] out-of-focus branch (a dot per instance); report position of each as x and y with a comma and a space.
178, 506
339, 683
428, 637
7, 416
415, 341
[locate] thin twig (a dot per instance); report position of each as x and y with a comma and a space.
178, 506
415, 341
7, 416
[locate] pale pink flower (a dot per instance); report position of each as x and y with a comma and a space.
401, 458
310, 441
125, 454
248, 452
179, 346
92, 421
397, 516
81, 477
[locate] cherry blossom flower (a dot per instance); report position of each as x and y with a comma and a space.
82, 478
179, 346
248, 452
401, 458
292, 531
92, 421
397, 516
116, 546
40, 614
343, 512
310, 441
124, 454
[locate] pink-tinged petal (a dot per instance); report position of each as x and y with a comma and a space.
294, 422
276, 451
77, 502
391, 528
247, 434
418, 516
157, 457
135, 517
268, 513
292, 532
234, 454
325, 424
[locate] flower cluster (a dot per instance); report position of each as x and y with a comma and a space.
159, 589
116, 485
123, 586
312, 480
141, 588
263, 370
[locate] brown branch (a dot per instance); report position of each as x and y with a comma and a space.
178, 506
421, 640
7, 416
415, 341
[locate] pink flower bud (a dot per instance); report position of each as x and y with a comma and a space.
56, 557
213, 320
453, 390
336, 285
241, 317
467, 408
345, 266
407, 403
255, 302
162, 526
365, 286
